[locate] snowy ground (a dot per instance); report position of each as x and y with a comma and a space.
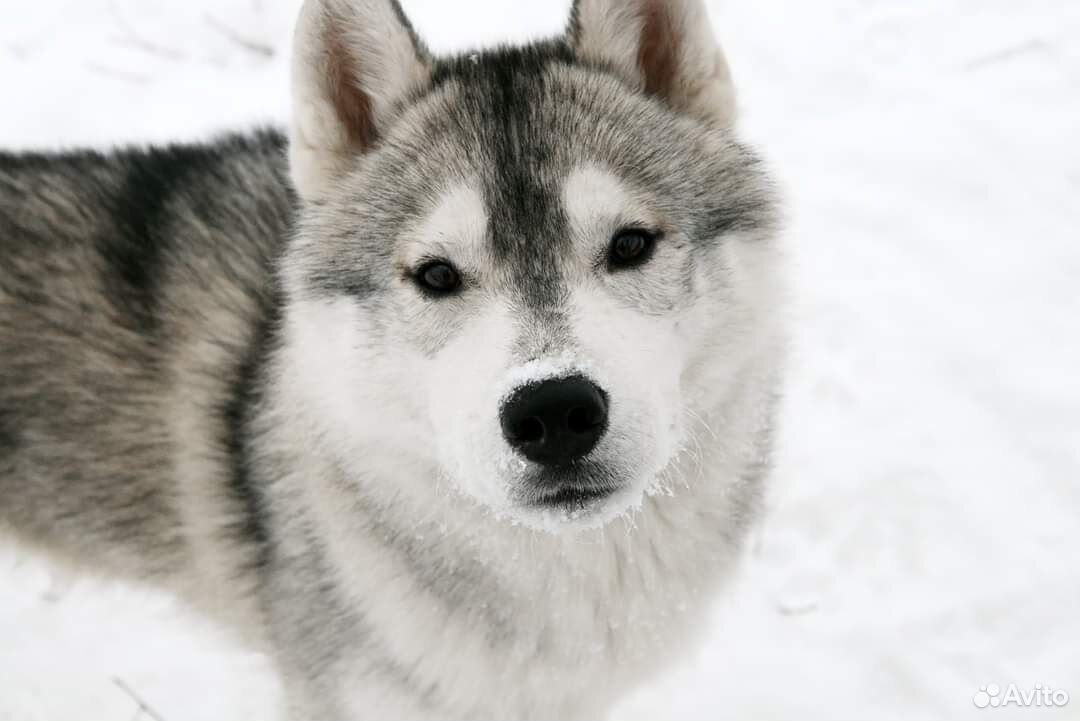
925, 527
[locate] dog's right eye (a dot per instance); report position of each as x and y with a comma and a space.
438, 277
630, 248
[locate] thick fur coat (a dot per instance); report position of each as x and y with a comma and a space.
273, 375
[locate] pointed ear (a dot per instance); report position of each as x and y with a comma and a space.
352, 61
665, 47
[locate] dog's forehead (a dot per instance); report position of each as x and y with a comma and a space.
545, 146
524, 164
517, 125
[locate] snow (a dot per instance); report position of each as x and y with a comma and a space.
925, 511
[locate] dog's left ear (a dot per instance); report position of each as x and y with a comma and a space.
664, 47
353, 61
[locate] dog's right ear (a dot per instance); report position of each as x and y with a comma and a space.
664, 47
353, 60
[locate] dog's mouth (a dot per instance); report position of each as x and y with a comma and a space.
571, 497
572, 488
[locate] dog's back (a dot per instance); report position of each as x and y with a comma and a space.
131, 285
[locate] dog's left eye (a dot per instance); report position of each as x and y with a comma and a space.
630, 248
438, 277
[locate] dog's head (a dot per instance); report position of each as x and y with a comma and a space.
531, 269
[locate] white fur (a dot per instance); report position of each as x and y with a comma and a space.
455, 226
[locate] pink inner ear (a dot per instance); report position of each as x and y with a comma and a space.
351, 104
658, 53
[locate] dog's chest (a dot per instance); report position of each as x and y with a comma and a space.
588, 619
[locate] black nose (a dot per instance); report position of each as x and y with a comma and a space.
555, 421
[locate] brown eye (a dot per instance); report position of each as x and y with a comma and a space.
630, 248
438, 277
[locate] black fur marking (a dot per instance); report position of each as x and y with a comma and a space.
9, 435
528, 228
136, 252
253, 523
136, 188
474, 67
154, 180
68, 163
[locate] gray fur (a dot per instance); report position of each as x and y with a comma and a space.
161, 418
107, 262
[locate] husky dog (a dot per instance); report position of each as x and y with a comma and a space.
457, 403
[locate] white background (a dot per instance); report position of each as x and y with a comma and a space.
925, 514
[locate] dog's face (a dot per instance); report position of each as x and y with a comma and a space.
528, 268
